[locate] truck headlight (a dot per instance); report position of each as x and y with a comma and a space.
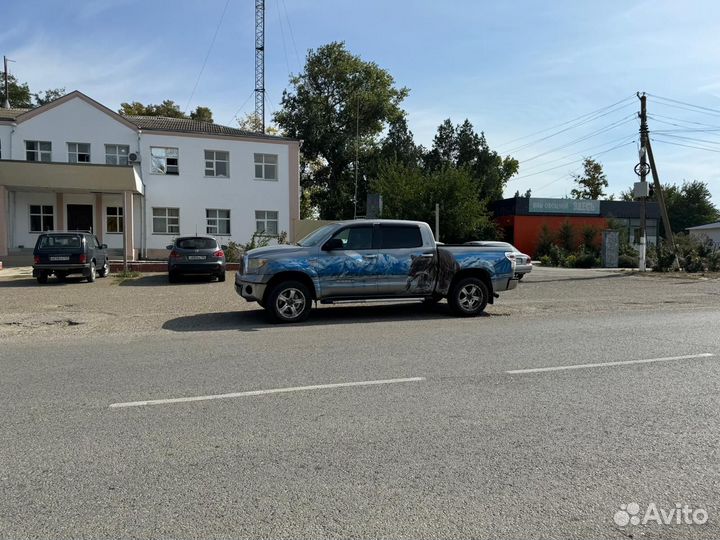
254, 265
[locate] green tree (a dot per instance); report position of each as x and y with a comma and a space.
462, 146
19, 94
252, 123
591, 183
411, 193
51, 94
203, 114
689, 205
338, 98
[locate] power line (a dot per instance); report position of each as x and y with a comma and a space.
605, 129
207, 55
583, 151
572, 162
707, 109
234, 116
655, 116
686, 145
568, 128
566, 123
282, 34
692, 139
690, 109
292, 35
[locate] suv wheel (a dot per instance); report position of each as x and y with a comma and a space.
105, 270
289, 302
93, 273
42, 278
221, 276
61, 276
468, 297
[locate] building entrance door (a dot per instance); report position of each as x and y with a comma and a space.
80, 217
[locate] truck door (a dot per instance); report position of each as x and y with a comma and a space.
405, 266
351, 270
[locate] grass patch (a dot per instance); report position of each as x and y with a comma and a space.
122, 275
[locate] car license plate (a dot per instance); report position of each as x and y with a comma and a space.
60, 258
196, 257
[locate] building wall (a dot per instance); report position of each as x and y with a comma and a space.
527, 228
192, 192
5, 131
712, 234
73, 121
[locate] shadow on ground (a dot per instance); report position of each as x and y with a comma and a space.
257, 319
23, 281
157, 280
529, 280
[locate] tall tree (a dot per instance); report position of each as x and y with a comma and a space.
591, 183
51, 94
689, 205
204, 114
19, 94
338, 101
167, 108
462, 146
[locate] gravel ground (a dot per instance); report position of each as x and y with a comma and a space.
149, 304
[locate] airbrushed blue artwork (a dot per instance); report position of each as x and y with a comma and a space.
373, 259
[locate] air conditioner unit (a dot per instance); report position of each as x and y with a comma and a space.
133, 157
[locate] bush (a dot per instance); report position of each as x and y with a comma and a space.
628, 261
570, 261
545, 242
586, 260
233, 252
545, 260
566, 236
557, 256
589, 240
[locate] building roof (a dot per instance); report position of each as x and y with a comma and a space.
715, 225
11, 114
187, 125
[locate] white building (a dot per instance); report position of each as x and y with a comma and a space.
74, 164
711, 231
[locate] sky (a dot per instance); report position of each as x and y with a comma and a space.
521, 71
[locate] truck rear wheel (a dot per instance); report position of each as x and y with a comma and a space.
289, 302
92, 273
468, 297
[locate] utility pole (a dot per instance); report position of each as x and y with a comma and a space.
661, 202
357, 150
644, 191
260, 64
6, 101
437, 222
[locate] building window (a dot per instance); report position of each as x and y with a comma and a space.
166, 220
217, 163
218, 221
41, 218
114, 220
116, 154
266, 167
78, 152
38, 150
164, 160
266, 222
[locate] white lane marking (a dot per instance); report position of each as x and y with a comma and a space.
263, 392
605, 364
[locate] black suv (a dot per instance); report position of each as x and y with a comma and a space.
63, 253
196, 255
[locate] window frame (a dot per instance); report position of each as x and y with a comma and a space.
42, 216
265, 220
165, 161
217, 220
117, 155
264, 165
77, 153
167, 217
39, 151
119, 217
215, 161
373, 236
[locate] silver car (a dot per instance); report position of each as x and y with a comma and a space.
523, 262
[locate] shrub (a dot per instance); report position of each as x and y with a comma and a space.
570, 261
566, 236
557, 256
233, 252
545, 242
628, 261
589, 239
586, 260
545, 260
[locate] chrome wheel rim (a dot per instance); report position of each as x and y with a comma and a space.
290, 303
470, 297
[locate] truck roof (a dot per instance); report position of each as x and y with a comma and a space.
385, 221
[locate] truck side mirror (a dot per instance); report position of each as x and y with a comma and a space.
169, 247
333, 244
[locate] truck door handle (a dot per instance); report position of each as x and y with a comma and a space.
427, 255
369, 256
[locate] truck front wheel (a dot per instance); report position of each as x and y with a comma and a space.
289, 302
468, 297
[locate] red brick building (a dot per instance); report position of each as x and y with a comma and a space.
521, 219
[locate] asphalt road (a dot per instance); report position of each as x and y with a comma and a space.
467, 450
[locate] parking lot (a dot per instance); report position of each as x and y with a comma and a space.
137, 408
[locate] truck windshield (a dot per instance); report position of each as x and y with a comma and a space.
314, 238
60, 241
